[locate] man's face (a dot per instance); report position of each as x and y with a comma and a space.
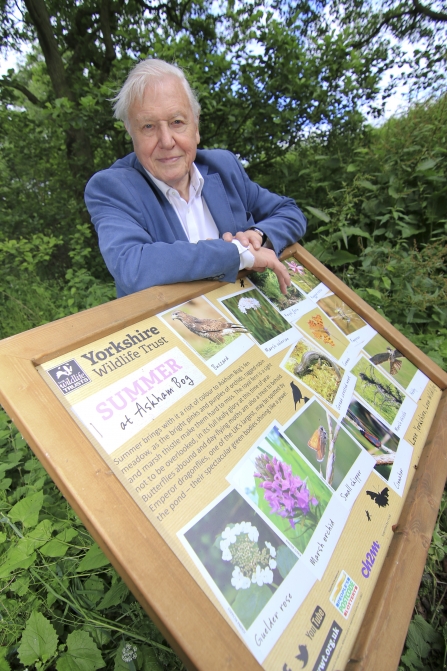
164, 132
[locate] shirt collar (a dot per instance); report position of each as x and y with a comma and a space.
196, 183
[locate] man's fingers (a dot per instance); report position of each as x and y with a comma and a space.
266, 258
228, 237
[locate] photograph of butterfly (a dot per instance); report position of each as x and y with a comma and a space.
373, 435
387, 358
341, 314
316, 325
319, 331
318, 442
379, 498
323, 442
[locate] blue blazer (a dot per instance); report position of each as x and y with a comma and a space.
143, 242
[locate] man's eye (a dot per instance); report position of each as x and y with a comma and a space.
178, 122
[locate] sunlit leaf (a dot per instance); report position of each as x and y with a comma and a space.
94, 558
318, 213
82, 654
39, 640
27, 510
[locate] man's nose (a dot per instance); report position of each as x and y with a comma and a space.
165, 137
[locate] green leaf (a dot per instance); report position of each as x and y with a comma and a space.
374, 292
285, 560
17, 557
367, 184
4, 665
355, 230
427, 164
93, 589
82, 654
318, 213
94, 558
39, 640
27, 510
150, 662
38, 536
3, 537
420, 634
114, 596
58, 546
387, 282
341, 256
20, 586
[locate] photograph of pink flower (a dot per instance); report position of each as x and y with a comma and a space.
300, 276
285, 488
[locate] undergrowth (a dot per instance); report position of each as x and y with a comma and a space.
62, 605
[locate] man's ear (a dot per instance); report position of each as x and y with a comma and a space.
197, 131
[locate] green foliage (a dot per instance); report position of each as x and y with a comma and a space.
426, 644
377, 200
62, 606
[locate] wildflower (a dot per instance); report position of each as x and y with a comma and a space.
252, 565
129, 652
295, 268
246, 303
286, 494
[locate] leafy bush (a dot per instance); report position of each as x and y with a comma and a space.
63, 606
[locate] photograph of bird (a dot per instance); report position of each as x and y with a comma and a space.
213, 329
391, 355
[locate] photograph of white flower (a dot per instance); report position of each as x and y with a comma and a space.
256, 315
242, 554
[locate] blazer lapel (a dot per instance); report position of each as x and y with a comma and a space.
217, 201
168, 211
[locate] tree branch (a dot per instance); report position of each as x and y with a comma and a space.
41, 19
8, 83
429, 13
106, 32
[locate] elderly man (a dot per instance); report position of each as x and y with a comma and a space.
172, 213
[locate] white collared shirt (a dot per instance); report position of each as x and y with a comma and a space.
195, 217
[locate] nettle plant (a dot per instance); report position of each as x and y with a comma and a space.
62, 605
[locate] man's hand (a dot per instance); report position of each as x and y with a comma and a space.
266, 258
246, 238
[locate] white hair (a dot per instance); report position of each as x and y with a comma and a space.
137, 80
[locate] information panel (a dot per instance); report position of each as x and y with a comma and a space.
271, 441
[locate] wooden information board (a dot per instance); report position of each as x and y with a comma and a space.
263, 471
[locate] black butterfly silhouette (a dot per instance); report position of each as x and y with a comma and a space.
380, 498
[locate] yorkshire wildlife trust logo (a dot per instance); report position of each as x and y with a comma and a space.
344, 594
69, 376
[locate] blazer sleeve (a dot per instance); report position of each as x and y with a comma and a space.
140, 245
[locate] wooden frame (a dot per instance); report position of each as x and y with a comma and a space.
177, 605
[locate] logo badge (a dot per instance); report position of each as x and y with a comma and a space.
344, 594
69, 376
